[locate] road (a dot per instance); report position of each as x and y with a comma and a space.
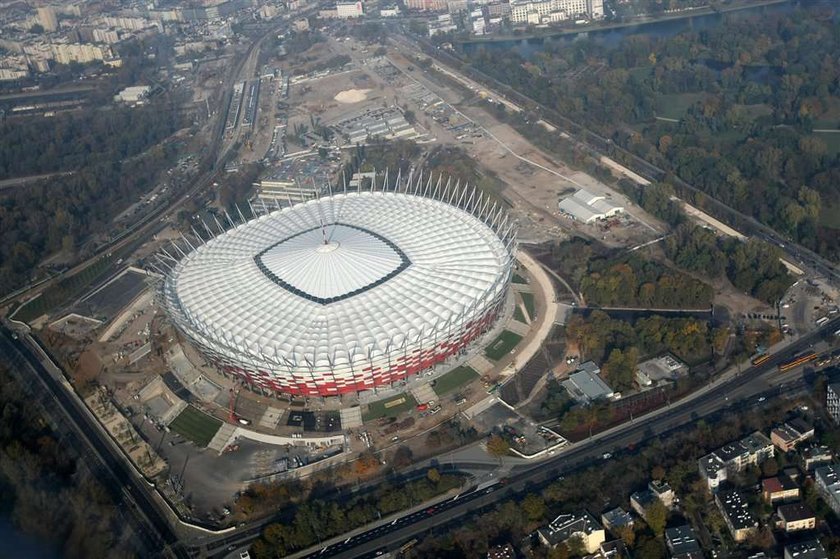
744, 388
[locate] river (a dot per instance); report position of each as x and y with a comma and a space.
658, 29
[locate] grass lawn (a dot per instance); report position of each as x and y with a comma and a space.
196, 426
676, 105
518, 314
530, 306
390, 407
518, 279
502, 345
455, 378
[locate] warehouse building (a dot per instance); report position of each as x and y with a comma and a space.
586, 207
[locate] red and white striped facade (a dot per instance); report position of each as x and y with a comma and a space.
346, 292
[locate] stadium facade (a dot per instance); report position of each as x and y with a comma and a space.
346, 292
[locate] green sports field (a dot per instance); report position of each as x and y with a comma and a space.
196, 426
455, 378
502, 345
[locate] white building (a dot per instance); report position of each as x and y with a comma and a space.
828, 485
568, 526
47, 18
443, 24
391, 11
9, 74
348, 10
136, 94
730, 459
832, 401
586, 207
544, 11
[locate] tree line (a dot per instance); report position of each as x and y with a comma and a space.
619, 344
45, 492
306, 523
760, 85
108, 152
634, 282
752, 265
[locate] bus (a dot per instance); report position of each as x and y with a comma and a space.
408, 545
797, 361
759, 359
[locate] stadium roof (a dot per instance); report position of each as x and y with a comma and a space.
338, 278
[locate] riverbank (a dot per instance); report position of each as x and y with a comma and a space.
639, 21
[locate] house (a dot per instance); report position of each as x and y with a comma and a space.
734, 457
828, 485
779, 488
790, 434
567, 526
808, 549
663, 492
586, 385
682, 543
736, 513
640, 501
815, 455
796, 516
663, 368
616, 518
656, 491
501, 552
832, 401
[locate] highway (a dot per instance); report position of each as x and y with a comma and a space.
734, 391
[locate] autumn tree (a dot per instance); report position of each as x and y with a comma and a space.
498, 447
534, 507
656, 516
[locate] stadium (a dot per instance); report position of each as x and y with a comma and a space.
345, 292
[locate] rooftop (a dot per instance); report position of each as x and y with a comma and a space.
808, 549
588, 386
778, 484
616, 518
682, 541
794, 512
567, 525
736, 510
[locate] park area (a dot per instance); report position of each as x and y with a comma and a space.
196, 426
390, 407
502, 345
454, 379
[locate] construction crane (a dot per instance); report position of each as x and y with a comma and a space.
232, 396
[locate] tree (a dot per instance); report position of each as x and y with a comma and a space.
433, 475
498, 447
627, 535
576, 547
534, 507
770, 467
656, 516
402, 457
658, 473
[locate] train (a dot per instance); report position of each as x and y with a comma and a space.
800, 359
